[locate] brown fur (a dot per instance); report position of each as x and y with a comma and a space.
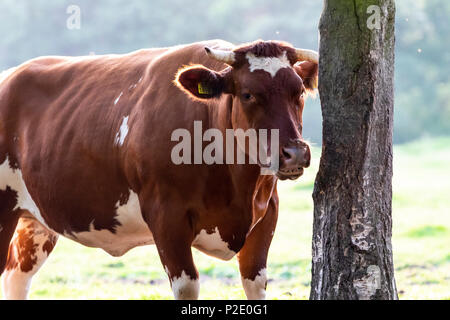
58, 125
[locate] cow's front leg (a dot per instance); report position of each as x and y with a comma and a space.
176, 258
173, 237
253, 255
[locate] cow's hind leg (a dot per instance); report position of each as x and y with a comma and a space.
28, 250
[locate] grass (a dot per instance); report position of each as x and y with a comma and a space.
421, 244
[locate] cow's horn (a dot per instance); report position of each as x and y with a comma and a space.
221, 55
307, 55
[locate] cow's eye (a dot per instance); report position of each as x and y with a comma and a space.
247, 96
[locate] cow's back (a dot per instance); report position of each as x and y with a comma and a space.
44, 94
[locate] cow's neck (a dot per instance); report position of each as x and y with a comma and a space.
246, 178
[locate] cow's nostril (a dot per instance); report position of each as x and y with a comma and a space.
295, 157
287, 154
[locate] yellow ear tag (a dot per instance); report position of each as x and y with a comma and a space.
202, 89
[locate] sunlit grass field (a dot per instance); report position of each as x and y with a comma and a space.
421, 244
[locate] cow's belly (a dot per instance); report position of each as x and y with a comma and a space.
116, 244
212, 244
131, 232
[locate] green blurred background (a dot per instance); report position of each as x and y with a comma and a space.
421, 202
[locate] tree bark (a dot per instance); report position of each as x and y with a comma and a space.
352, 252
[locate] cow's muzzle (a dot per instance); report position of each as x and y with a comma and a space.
293, 159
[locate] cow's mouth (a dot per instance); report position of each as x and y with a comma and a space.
289, 174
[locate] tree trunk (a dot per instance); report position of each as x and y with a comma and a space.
352, 252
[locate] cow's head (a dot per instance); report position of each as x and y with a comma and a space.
268, 82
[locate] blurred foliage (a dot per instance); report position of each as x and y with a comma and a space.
30, 28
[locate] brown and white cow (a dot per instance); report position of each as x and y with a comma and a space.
85, 152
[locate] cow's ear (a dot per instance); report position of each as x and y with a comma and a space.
308, 71
200, 82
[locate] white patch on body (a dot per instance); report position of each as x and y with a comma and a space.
133, 86
256, 289
123, 131
184, 287
118, 98
213, 245
132, 231
13, 178
269, 64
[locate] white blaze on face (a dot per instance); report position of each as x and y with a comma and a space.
269, 64
13, 178
213, 245
184, 287
123, 131
256, 289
